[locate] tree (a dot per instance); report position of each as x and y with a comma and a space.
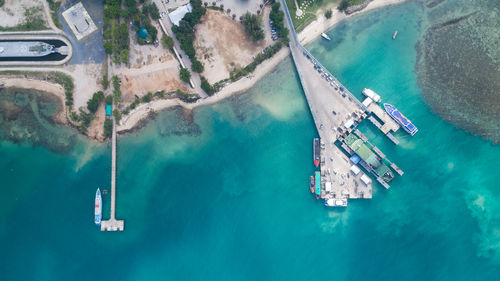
167, 42
109, 99
117, 115
108, 127
93, 103
253, 26
196, 66
185, 75
328, 14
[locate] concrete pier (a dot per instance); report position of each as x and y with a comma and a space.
113, 224
388, 123
335, 111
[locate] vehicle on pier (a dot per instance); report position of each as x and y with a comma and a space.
401, 119
98, 207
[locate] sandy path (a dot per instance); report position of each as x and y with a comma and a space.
55, 89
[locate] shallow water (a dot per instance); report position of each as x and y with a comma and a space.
222, 194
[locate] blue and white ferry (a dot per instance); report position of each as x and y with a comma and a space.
98, 207
401, 119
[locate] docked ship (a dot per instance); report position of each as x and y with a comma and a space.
317, 184
333, 202
325, 36
401, 119
311, 184
371, 94
25, 49
316, 152
98, 207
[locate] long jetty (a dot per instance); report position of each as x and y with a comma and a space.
335, 112
113, 224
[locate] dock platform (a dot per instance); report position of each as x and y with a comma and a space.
388, 123
113, 224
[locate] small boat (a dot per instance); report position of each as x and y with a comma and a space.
311, 184
325, 36
317, 184
395, 34
98, 207
331, 202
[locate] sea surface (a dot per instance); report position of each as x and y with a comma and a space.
221, 193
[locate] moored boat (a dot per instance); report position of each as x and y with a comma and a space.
333, 202
317, 184
371, 94
311, 184
316, 151
98, 207
401, 119
325, 36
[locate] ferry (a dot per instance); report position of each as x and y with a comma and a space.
317, 184
401, 119
311, 184
325, 36
98, 207
395, 34
372, 95
332, 202
316, 152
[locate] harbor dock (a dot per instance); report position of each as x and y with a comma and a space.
388, 124
113, 224
336, 113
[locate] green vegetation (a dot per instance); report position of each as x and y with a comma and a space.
108, 127
115, 31
253, 26
117, 115
108, 100
33, 20
185, 32
105, 81
83, 118
141, 19
167, 42
206, 86
2, 2
185, 75
276, 15
152, 10
117, 94
54, 6
328, 14
95, 101
344, 4
268, 52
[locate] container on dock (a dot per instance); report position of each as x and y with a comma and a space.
355, 170
366, 179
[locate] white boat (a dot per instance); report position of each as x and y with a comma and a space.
325, 36
333, 202
371, 94
98, 207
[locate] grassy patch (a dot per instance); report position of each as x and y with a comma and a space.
309, 12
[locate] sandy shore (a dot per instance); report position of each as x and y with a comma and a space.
23, 83
311, 32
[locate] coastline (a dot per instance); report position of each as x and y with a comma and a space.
311, 32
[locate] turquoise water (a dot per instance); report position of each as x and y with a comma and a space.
222, 193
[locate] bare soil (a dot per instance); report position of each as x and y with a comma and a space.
222, 45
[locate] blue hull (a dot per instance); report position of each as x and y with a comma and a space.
401, 119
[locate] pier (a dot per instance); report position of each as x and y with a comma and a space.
336, 112
388, 124
113, 224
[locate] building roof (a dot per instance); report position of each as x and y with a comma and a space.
179, 13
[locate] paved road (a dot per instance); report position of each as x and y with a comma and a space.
185, 59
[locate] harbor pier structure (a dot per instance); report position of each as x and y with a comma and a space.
113, 224
335, 112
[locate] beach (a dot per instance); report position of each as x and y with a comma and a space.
311, 32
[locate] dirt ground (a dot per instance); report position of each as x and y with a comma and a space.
12, 12
222, 44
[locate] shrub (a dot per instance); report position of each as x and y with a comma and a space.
328, 14
167, 42
196, 66
185, 75
206, 86
108, 127
109, 100
253, 26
